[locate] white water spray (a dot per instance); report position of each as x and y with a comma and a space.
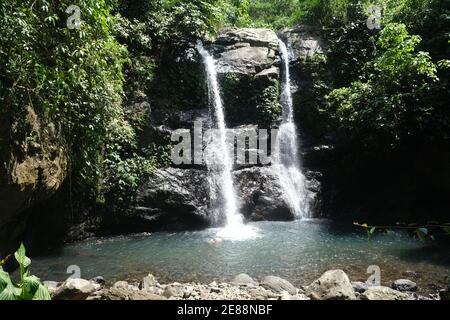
286, 160
220, 162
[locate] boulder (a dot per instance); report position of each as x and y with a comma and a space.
98, 280
180, 198
148, 283
124, 285
173, 291
251, 37
404, 285
332, 285
51, 286
383, 293
286, 296
121, 292
278, 285
74, 289
303, 41
246, 60
260, 195
173, 197
360, 287
244, 279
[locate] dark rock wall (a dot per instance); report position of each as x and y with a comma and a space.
34, 165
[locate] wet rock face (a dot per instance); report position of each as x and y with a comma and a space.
260, 195
180, 197
249, 74
173, 197
246, 51
303, 41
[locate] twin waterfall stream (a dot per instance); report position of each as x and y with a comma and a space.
286, 161
219, 161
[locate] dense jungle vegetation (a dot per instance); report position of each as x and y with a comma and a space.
377, 91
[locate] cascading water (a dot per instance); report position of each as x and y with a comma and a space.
219, 161
286, 160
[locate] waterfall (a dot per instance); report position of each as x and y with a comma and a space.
286, 159
219, 160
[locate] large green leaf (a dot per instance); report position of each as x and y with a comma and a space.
10, 292
42, 293
30, 286
21, 258
4, 279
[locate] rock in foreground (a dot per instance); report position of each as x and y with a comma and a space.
332, 285
278, 285
74, 289
384, 293
404, 285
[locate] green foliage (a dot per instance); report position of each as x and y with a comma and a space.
126, 165
275, 14
162, 20
423, 233
350, 45
139, 70
73, 77
259, 101
236, 12
393, 95
29, 287
268, 108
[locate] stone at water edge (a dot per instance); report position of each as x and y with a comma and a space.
51, 286
278, 285
384, 293
120, 292
98, 280
243, 279
74, 289
332, 285
404, 285
124, 285
148, 282
173, 291
445, 294
360, 287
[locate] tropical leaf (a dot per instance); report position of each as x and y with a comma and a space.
42, 293
30, 286
10, 293
5, 280
21, 258
371, 232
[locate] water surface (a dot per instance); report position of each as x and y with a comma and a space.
299, 251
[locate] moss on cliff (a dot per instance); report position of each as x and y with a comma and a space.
250, 99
